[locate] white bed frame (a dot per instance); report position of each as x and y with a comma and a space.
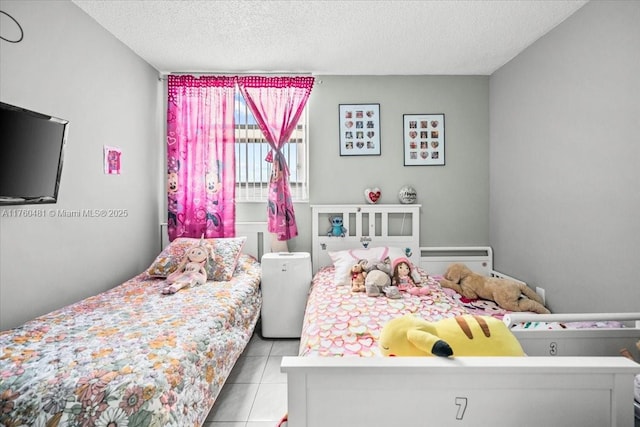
466, 391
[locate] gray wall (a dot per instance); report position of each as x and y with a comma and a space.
565, 154
70, 67
454, 197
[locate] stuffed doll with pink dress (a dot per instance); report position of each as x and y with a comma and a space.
402, 276
191, 271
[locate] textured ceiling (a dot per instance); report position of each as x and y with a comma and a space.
385, 37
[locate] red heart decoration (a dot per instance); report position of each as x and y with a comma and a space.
372, 195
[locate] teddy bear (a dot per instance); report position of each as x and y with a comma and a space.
191, 271
358, 276
508, 294
465, 335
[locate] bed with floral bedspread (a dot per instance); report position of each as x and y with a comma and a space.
129, 356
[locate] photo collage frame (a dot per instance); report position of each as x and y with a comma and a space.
424, 139
359, 126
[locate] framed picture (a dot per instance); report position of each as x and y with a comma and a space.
112, 160
423, 139
359, 126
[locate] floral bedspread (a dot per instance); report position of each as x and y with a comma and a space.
129, 356
339, 322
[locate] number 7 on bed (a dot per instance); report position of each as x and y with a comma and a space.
461, 403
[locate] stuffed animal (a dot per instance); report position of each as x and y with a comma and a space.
465, 335
403, 278
384, 265
336, 230
191, 271
358, 276
377, 283
508, 294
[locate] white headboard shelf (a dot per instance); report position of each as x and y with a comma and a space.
367, 225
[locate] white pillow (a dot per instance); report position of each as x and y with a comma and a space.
344, 260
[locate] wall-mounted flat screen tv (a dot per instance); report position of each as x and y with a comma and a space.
31, 155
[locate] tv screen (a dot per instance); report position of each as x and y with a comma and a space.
31, 155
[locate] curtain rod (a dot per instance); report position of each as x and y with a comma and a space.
163, 76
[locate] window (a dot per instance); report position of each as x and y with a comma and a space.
253, 171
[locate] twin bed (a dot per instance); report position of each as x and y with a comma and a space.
132, 356
339, 377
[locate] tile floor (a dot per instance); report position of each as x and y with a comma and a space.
255, 394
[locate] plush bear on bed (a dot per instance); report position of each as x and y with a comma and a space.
465, 335
508, 294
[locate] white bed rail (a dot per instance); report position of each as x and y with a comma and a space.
516, 318
436, 259
499, 275
596, 341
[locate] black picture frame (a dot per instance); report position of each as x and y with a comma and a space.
423, 139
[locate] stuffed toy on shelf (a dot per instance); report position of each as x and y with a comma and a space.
337, 229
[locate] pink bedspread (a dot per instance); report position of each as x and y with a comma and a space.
339, 322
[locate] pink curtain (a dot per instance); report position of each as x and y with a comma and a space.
200, 156
276, 104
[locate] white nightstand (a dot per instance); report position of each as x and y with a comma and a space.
286, 277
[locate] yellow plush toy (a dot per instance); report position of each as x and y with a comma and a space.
456, 336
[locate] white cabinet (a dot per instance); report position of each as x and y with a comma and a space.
286, 277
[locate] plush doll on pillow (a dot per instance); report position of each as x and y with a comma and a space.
403, 278
465, 335
191, 271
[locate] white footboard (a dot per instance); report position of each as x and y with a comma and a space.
482, 391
